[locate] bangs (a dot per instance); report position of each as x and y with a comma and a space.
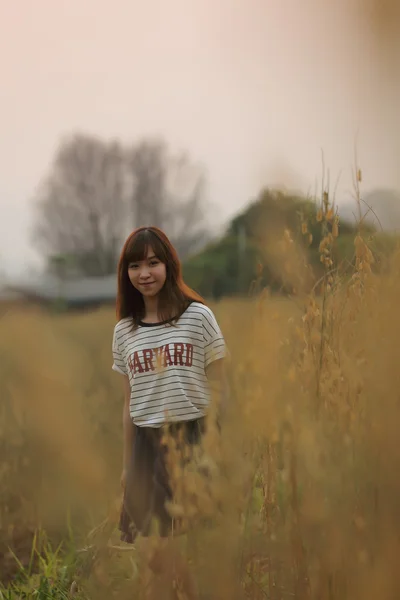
138, 247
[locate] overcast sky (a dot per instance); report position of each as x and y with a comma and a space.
251, 88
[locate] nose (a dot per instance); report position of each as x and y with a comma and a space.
144, 273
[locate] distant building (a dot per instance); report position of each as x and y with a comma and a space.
76, 293
8, 296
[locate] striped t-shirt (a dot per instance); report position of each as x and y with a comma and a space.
166, 365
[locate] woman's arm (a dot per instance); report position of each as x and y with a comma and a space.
127, 425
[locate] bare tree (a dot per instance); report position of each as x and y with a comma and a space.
167, 191
81, 205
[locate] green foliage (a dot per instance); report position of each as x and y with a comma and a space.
89, 263
48, 575
220, 270
271, 209
228, 267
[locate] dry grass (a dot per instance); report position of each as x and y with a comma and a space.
304, 493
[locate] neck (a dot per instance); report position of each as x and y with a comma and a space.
151, 306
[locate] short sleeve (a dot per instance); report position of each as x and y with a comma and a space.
214, 342
119, 363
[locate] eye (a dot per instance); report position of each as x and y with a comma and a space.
154, 262
133, 266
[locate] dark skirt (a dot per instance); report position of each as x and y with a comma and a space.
147, 484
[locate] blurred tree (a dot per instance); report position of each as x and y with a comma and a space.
167, 191
229, 266
97, 191
81, 205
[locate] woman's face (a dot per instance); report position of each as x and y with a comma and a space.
148, 276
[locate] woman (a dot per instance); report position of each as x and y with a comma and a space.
168, 346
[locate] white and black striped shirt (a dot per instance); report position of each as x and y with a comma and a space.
166, 365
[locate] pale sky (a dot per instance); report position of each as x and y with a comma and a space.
253, 89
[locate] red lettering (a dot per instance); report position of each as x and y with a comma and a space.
178, 354
137, 365
189, 355
155, 358
148, 360
167, 357
159, 353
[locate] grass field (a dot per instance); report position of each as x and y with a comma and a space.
304, 500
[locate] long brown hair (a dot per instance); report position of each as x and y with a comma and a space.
174, 297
